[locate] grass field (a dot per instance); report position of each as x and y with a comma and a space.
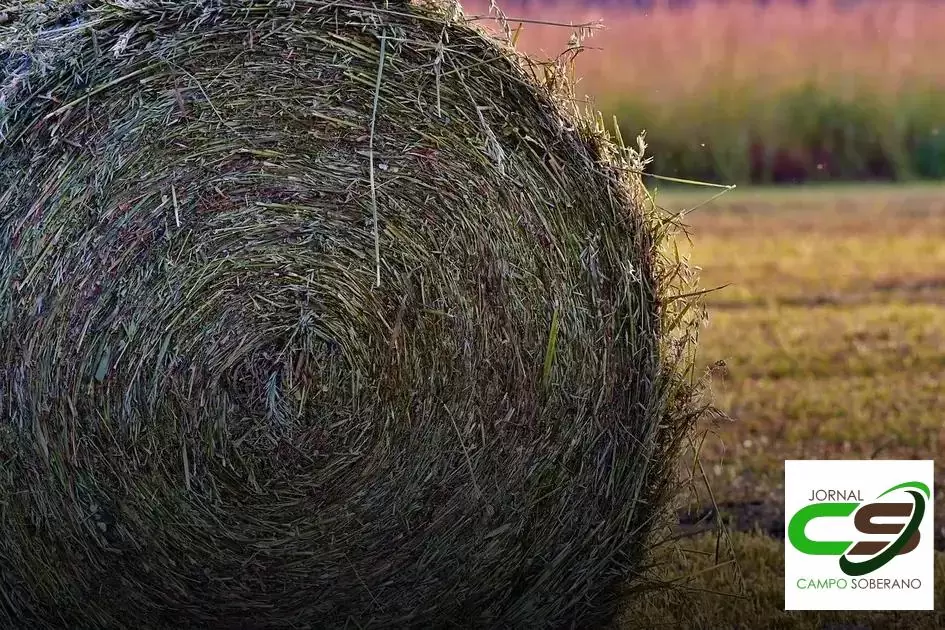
833, 336
832, 329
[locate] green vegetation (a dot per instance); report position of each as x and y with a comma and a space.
787, 92
805, 133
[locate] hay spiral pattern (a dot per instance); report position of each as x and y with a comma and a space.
315, 314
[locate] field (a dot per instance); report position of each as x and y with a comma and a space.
832, 333
739, 92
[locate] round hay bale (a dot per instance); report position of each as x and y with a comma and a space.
319, 314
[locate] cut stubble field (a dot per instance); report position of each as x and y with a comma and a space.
831, 328
832, 334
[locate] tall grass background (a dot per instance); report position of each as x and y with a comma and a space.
777, 92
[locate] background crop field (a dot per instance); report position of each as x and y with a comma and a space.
742, 91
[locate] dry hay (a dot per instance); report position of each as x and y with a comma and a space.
319, 314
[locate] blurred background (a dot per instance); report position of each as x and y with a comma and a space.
763, 91
830, 254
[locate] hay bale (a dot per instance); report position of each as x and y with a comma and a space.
318, 314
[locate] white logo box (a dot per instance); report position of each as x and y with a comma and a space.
851, 489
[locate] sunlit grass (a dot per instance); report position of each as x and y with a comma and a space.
832, 330
861, 340
841, 245
833, 335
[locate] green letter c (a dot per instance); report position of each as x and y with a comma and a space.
796, 528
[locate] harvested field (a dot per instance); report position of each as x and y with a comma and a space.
832, 331
833, 338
